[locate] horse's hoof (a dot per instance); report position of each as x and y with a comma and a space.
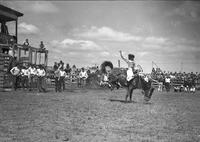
146, 99
133, 101
146, 102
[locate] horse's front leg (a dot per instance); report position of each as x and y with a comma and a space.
146, 95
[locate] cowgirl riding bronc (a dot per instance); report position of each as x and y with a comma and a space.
131, 65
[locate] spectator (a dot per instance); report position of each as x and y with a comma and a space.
67, 69
73, 73
104, 80
57, 78
24, 77
83, 76
40, 82
26, 43
167, 83
32, 74
42, 45
15, 71
55, 67
61, 64
62, 79
4, 28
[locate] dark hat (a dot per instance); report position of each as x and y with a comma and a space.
131, 56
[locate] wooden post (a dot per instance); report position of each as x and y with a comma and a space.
35, 56
39, 58
18, 53
16, 27
29, 55
46, 58
119, 63
13, 50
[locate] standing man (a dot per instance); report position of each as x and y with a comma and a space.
62, 79
67, 69
57, 78
24, 76
167, 83
32, 73
73, 73
26, 43
55, 66
42, 45
83, 76
15, 71
41, 74
4, 28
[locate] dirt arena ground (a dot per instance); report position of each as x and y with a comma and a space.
98, 116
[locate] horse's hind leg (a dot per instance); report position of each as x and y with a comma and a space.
127, 94
148, 94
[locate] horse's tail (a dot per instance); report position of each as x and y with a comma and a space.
106, 64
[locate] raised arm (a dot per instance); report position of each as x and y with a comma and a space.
122, 56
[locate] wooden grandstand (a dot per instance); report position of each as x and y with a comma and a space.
11, 51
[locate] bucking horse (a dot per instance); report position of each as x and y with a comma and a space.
117, 78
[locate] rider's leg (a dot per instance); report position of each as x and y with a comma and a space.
129, 89
131, 92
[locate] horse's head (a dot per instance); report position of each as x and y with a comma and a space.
117, 78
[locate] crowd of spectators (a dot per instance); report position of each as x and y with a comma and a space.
31, 76
28, 77
62, 72
179, 80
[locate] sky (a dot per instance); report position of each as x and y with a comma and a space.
86, 33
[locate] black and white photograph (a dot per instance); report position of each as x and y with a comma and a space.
99, 71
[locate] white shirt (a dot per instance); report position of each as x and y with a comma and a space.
105, 78
57, 73
83, 74
62, 73
32, 71
15, 71
41, 72
25, 72
146, 79
167, 80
